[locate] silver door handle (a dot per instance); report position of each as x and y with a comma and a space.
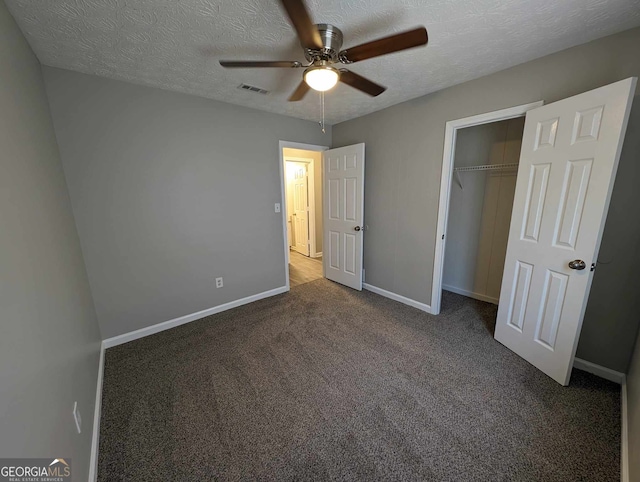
577, 264
357, 228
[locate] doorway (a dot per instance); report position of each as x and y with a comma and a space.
300, 205
301, 176
476, 193
566, 170
339, 210
485, 169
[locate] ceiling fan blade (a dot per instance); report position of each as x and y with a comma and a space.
307, 31
386, 45
359, 82
300, 92
259, 63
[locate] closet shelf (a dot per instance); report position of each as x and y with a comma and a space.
487, 167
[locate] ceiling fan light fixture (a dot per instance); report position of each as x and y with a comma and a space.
321, 78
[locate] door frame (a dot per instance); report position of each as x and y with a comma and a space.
283, 200
450, 135
311, 201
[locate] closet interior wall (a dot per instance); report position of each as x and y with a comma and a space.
480, 210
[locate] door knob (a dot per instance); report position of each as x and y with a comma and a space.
357, 228
577, 264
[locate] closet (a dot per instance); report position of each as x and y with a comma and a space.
482, 191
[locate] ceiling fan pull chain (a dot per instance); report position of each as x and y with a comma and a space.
323, 131
322, 103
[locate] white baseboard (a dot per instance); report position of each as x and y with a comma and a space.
471, 294
95, 437
402, 299
598, 370
317, 255
166, 325
624, 455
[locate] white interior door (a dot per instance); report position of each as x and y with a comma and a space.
301, 209
344, 214
569, 157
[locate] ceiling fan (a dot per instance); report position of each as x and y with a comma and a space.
322, 44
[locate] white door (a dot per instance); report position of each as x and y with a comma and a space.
568, 162
344, 214
301, 210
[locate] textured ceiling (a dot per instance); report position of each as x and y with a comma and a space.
175, 44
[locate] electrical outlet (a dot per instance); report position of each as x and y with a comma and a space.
77, 417
277, 207
219, 283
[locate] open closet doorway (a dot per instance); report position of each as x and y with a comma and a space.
566, 171
476, 198
485, 170
302, 209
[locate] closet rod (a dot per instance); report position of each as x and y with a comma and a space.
488, 167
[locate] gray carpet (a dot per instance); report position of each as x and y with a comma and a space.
325, 383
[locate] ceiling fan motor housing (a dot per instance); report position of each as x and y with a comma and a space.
331, 39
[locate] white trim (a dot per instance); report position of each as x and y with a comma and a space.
624, 446
311, 200
166, 325
396, 297
95, 436
283, 210
471, 294
445, 184
598, 370
318, 255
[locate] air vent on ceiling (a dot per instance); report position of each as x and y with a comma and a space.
253, 89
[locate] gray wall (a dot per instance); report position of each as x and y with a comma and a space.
480, 210
404, 145
49, 337
170, 191
633, 412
